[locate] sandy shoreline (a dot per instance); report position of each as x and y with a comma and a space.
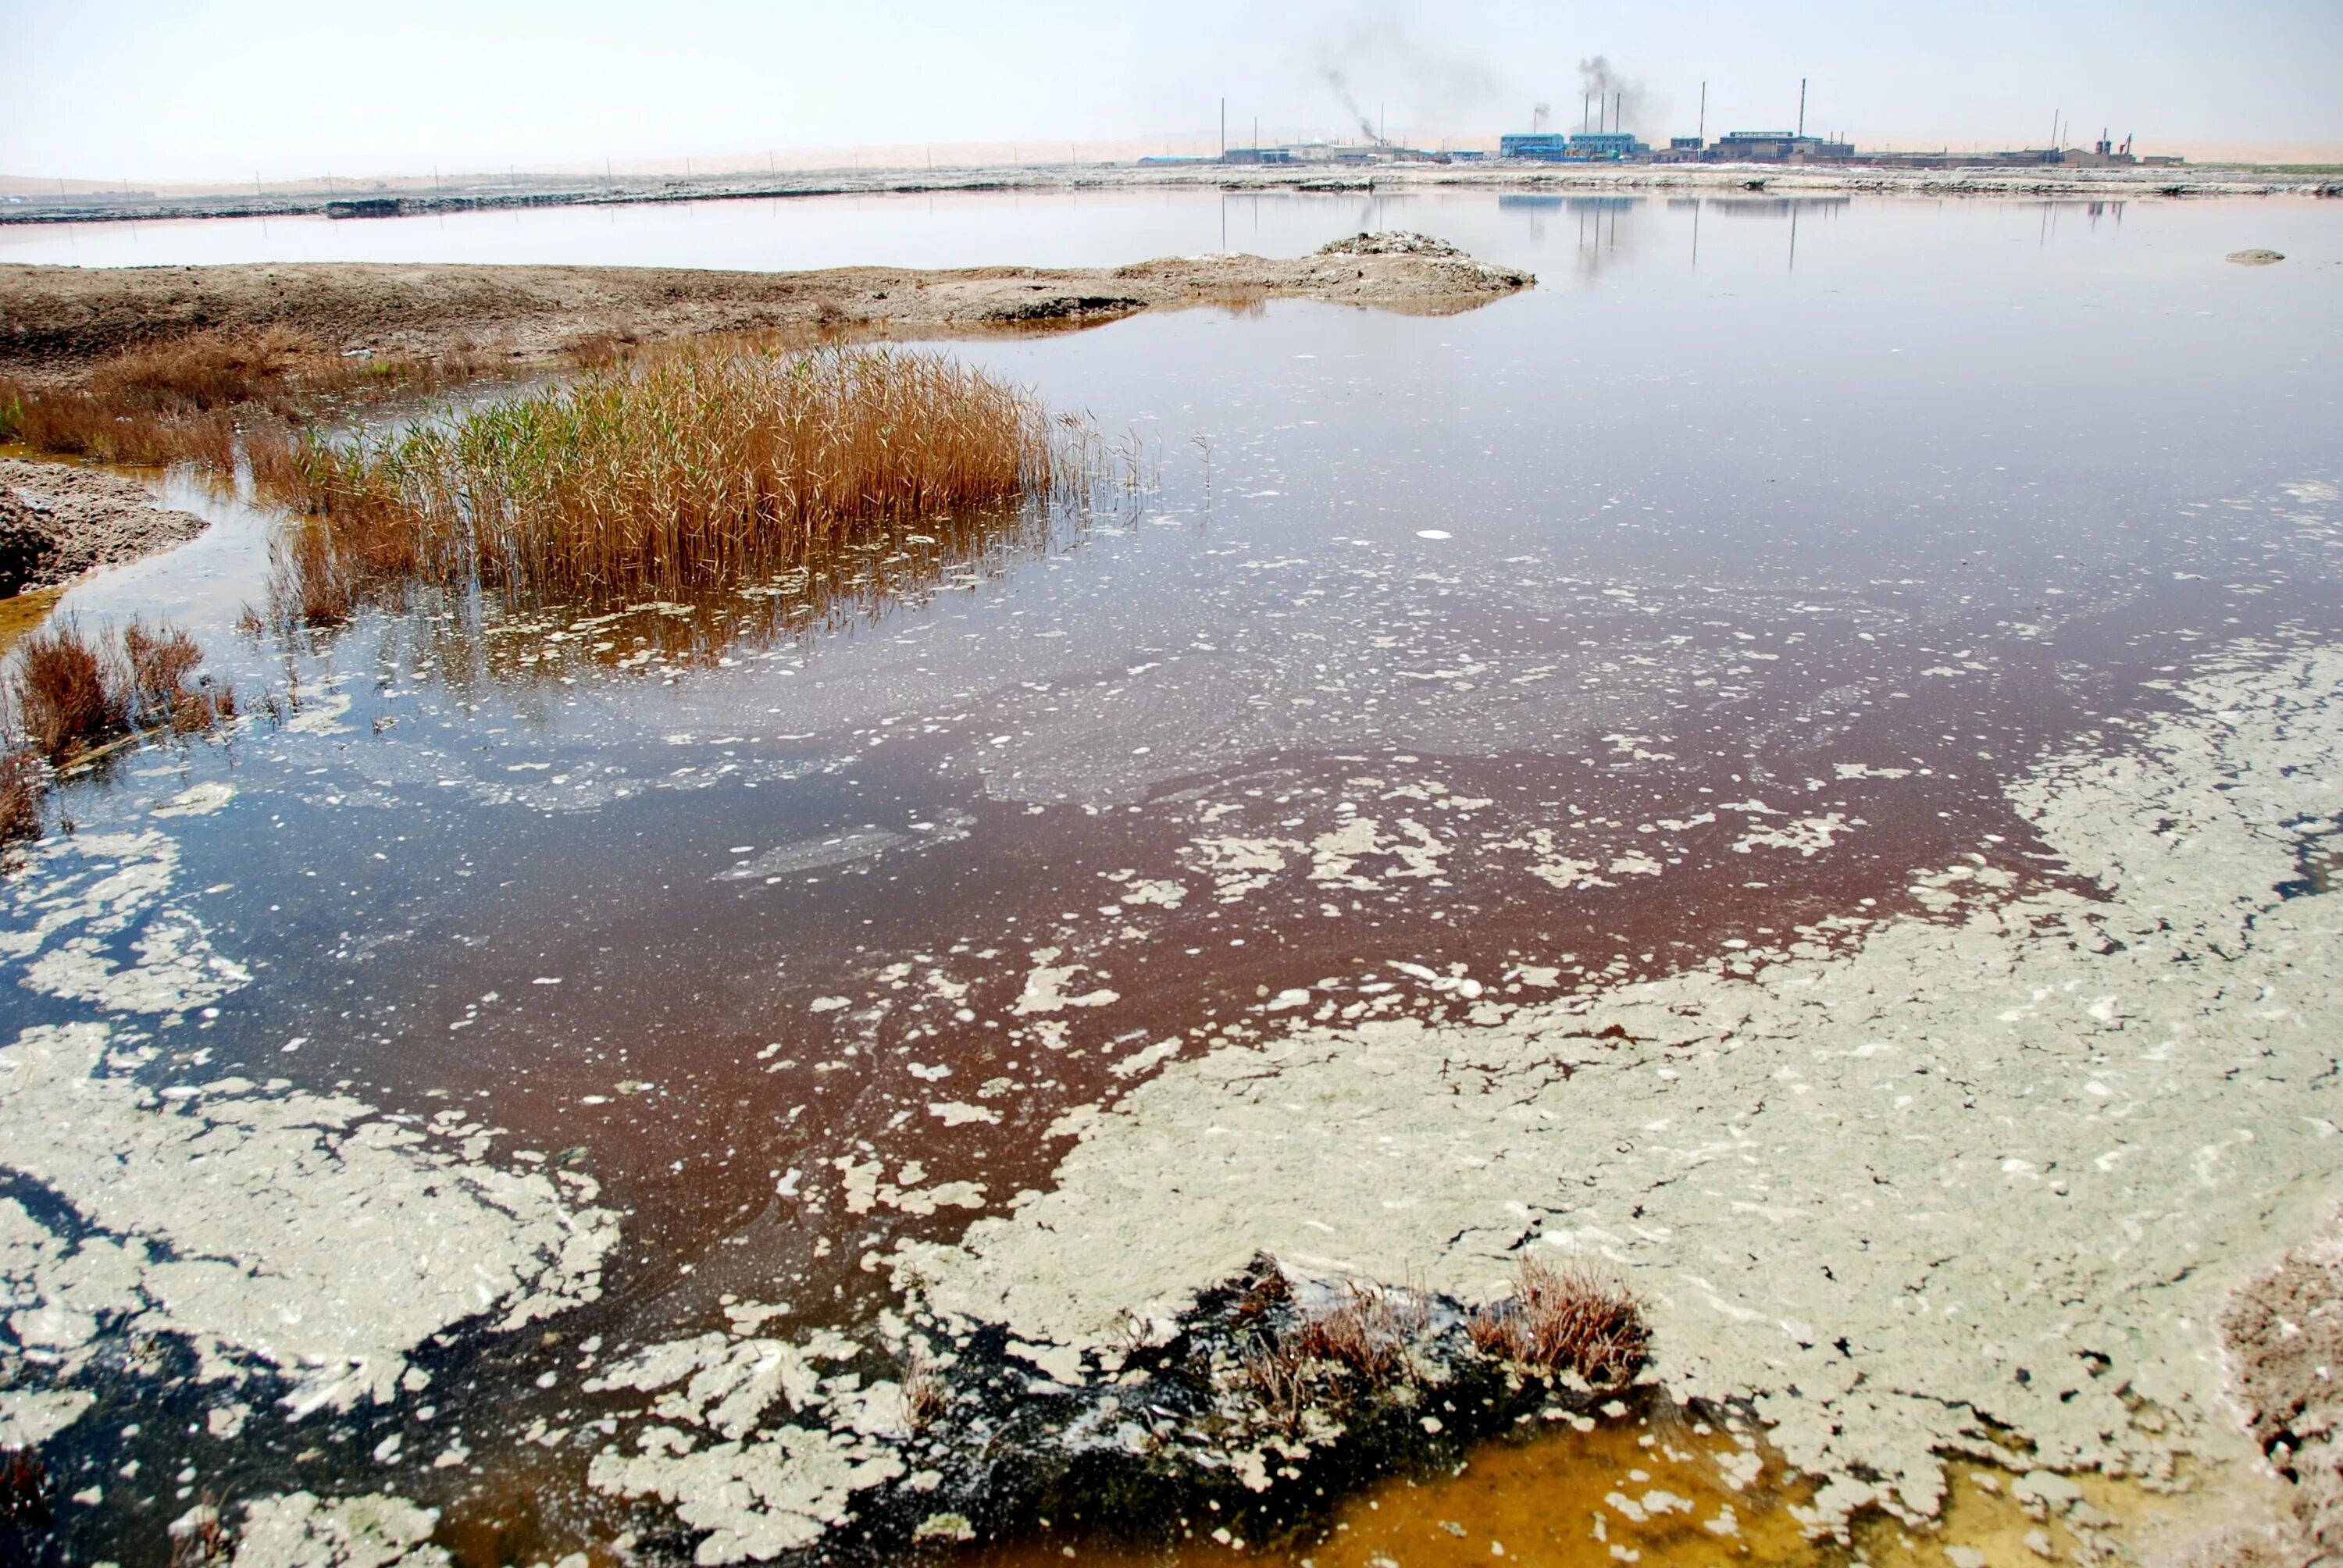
51, 317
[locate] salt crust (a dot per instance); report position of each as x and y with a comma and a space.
302, 1231
757, 1493
1987, 1173
297, 1531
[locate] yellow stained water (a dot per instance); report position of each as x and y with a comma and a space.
1662, 1492
20, 613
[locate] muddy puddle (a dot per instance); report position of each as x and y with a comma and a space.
1693, 612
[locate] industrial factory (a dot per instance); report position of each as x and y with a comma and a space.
1604, 139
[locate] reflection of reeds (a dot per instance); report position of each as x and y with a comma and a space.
684, 467
1565, 1316
22, 784
161, 660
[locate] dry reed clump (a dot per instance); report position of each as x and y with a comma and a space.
73, 694
1369, 1331
1564, 1317
1278, 1372
680, 468
68, 696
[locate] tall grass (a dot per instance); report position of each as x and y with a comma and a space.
681, 467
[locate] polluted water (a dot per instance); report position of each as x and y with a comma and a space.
797, 1066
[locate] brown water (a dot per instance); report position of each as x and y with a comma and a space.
1665, 616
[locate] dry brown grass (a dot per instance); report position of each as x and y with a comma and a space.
1370, 1331
188, 400
68, 694
1565, 1316
678, 467
73, 693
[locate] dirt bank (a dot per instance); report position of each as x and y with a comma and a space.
54, 316
58, 521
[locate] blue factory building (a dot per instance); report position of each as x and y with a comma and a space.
1578, 147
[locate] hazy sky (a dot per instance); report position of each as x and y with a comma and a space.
191, 89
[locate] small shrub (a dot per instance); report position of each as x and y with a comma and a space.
67, 698
73, 694
1565, 1316
1368, 1332
1275, 1372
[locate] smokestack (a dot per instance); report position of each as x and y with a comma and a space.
1585, 108
1224, 127
1802, 105
1702, 132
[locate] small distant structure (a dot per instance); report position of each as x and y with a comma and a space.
1576, 147
1259, 156
1776, 148
364, 207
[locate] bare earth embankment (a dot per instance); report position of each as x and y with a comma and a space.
58, 522
52, 317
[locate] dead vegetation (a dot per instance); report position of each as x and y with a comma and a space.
1564, 1317
189, 399
67, 698
199, 1536
1364, 1340
71, 696
670, 469
925, 1398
